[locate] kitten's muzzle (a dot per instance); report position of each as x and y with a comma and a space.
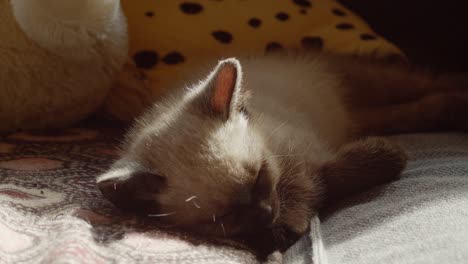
266, 213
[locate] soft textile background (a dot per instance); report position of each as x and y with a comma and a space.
422, 218
52, 212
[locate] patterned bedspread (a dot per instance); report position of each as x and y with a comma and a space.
422, 218
52, 212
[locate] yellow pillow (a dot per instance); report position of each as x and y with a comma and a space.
167, 37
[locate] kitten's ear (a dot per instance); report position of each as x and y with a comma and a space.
223, 95
132, 190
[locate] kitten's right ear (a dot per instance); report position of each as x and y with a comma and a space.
222, 94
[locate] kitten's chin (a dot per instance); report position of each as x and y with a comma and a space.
262, 241
265, 242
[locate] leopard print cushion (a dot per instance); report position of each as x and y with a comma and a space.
168, 37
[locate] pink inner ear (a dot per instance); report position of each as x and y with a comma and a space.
224, 85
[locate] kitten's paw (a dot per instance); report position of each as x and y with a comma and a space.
361, 165
377, 156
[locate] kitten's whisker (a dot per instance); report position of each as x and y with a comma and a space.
214, 218
276, 129
224, 230
191, 198
161, 215
290, 146
115, 186
260, 118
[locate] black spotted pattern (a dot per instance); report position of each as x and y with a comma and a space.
344, 26
255, 22
303, 3
173, 58
273, 47
366, 36
338, 12
222, 36
146, 59
281, 16
312, 43
191, 8
303, 11
149, 14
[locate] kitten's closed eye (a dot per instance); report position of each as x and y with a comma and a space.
261, 210
263, 185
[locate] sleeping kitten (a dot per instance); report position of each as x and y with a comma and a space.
251, 151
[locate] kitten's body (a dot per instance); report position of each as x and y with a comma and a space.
266, 141
294, 107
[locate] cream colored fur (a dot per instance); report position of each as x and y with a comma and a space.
295, 125
57, 59
290, 106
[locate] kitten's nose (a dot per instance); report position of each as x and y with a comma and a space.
265, 213
266, 207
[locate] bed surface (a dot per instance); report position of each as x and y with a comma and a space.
52, 212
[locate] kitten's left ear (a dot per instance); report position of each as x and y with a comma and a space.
132, 189
223, 94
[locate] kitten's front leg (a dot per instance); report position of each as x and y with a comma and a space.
72, 28
361, 165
